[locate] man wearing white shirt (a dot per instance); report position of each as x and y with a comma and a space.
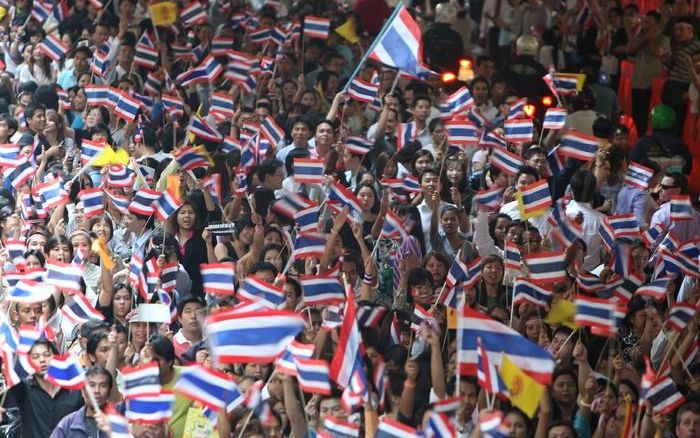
480, 92
301, 132
583, 186
429, 184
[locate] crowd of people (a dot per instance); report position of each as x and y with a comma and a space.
258, 219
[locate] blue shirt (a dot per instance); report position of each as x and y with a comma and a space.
633, 200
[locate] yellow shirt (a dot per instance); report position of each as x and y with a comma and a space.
180, 407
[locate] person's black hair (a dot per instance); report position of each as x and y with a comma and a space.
418, 276
295, 284
163, 243
433, 124
483, 58
263, 266
36, 253
685, 20
653, 165
477, 80
29, 110
534, 150
418, 87
355, 257
420, 96
329, 56
97, 370
163, 348
275, 247
404, 155
101, 128
494, 221
299, 119
324, 76
527, 170
428, 170
289, 159
630, 6
564, 423
583, 185
679, 180
583, 100
55, 241
94, 341
377, 200
267, 168
12, 124
632, 387
656, 15
602, 127
46, 343
187, 300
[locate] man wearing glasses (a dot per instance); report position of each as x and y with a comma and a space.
674, 183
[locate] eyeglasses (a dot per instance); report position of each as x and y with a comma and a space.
665, 187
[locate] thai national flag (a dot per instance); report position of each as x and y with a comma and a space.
492, 139
51, 193
554, 118
638, 176
118, 425
127, 108
651, 235
309, 245
100, 65
211, 388
79, 310
65, 276
363, 91
220, 46
92, 201
578, 145
308, 170
278, 35
498, 339
146, 56
536, 196
399, 44
681, 208
322, 289
344, 197
271, 130
307, 219
486, 373
624, 226
20, 174
60, 11
511, 255
473, 274
207, 71
173, 104
312, 375
121, 203
462, 132
393, 227
405, 132
221, 105
370, 316
663, 395
97, 94
656, 289
337, 428
190, 158
258, 337
286, 364
166, 205
150, 409
193, 15
680, 315
260, 36
350, 347
518, 130
289, 204
65, 371
389, 428
53, 47
506, 161
218, 278
41, 11
140, 381
457, 103
517, 109
262, 292
597, 313
28, 335
317, 27
440, 426
457, 273
120, 176
546, 267
489, 197
168, 276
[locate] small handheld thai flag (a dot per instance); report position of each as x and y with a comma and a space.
28, 335
308, 170
127, 108
173, 104
166, 205
218, 278
92, 201
462, 132
486, 373
211, 388
680, 315
271, 130
221, 45
526, 291
193, 15
334, 427
53, 47
65, 276
624, 226
261, 35
457, 103
554, 118
490, 197
51, 193
535, 197
663, 396
146, 56
681, 208
307, 219
440, 426
262, 292
389, 428
597, 313
143, 380
312, 375
20, 174
344, 197
651, 235
309, 245
363, 91
546, 267
517, 109
511, 255
638, 176
507, 161
322, 290
201, 129
193, 157
492, 139
578, 145
221, 106
317, 27
656, 289
151, 409
65, 371
518, 130
393, 227
289, 204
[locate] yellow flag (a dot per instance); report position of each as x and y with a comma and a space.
3, 12
451, 318
173, 185
562, 312
100, 247
109, 156
524, 392
163, 13
521, 208
348, 31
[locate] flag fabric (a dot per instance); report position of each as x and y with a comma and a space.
490, 197
289, 204
286, 363
322, 289
554, 118
146, 56
221, 105
389, 428
220, 46
393, 227
663, 395
120, 176
312, 375
53, 47
28, 335
338, 428
218, 278
65, 371
193, 15
638, 176
262, 292
127, 107
462, 132
271, 130
350, 348
151, 409
143, 380
497, 338
598, 313
680, 315
578, 145
523, 391
457, 103
308, 170
209, 387
546, 267
92, 202
20, 174
511, 255
41, 11
193, 157
420, 316
528, 292
344, 197
201, 129
307, 220
518, 130
317, 27
681, 208
656, 289
507, 161
534, 198
473, 274
440, 425
51, 193
624, 226
118, 425
167, 204
309, 245
399, 44
486, 374
257, 337
363, 91
64, 276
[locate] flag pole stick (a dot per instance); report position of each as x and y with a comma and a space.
373, 45
245, 424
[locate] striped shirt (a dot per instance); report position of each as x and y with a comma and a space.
679, 69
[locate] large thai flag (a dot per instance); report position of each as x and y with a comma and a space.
65, 371
317, 27
578, 145
218, 278
497, 339
363, 91
308, 170
322, 290
462, 132
546, 267
258, 337
518, 130
536, 196
638, 176
312, 375
526, 291
262, 292
505, 160
53, 47
457, 103
143, 380
211, 388
399, 44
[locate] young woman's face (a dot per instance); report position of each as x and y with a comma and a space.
500, 230
27, 53
422, 163
437, 269
121, 303
102, 229
37, 54
93, 118
33, 262
454, 173
449, 222
186, 217
139, 331
60, 253
273, 256
564, 389
308, 100
81, 244
493, 273
366, 197
390, 170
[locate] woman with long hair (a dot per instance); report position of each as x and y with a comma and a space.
37, 69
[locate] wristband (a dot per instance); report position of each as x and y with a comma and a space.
368, 279
409, 384
583, 403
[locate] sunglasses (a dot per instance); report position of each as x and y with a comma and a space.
665, 187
